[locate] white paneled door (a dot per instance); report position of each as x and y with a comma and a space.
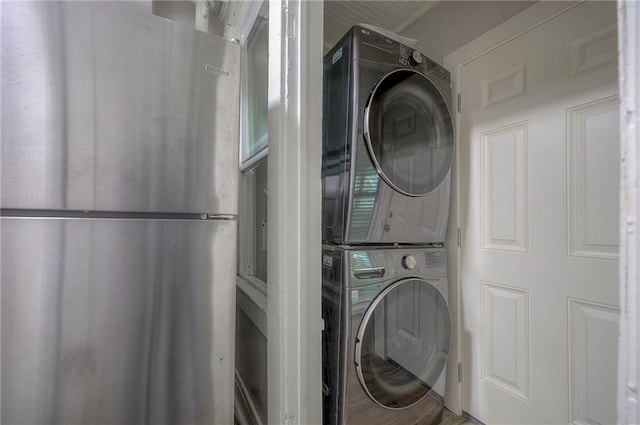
539, 173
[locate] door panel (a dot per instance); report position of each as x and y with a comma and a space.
591, 362
539, 152
593, 225
107, 107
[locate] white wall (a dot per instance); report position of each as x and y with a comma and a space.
452, 24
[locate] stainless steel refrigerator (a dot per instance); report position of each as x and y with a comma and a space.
118, 229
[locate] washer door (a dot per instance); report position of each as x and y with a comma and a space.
403, 343
408, 132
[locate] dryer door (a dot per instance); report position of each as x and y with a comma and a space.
408, 132
403, 343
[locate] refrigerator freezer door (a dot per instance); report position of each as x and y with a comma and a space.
123, 322
107, 107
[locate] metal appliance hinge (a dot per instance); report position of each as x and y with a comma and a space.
459, 237
459, 103
460, 372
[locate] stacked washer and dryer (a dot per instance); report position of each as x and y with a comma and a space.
388, 146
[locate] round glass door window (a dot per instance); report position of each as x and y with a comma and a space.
403, 343
409, 133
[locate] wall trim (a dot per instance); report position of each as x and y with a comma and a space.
253, 303
471, 418
244, 406
239, 18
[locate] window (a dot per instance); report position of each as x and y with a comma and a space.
252, 237
254, 88
253, 225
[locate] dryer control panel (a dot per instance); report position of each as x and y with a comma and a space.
416, 60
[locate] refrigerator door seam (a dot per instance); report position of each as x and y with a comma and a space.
71, 214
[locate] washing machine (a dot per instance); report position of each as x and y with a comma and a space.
386, 336
388, 143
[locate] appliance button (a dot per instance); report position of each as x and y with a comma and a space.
416, 58
409, 262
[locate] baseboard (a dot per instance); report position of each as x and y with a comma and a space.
244, 408
472, 419
437, 396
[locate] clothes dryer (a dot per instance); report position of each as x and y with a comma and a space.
386, 337
388, 143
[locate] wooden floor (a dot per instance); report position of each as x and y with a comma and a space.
449, 418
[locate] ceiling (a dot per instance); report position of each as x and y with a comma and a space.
395, 15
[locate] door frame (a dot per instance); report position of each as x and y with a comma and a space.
628, 346
294, 328
290, 314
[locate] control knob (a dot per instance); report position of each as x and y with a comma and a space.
409, 262
416, 58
